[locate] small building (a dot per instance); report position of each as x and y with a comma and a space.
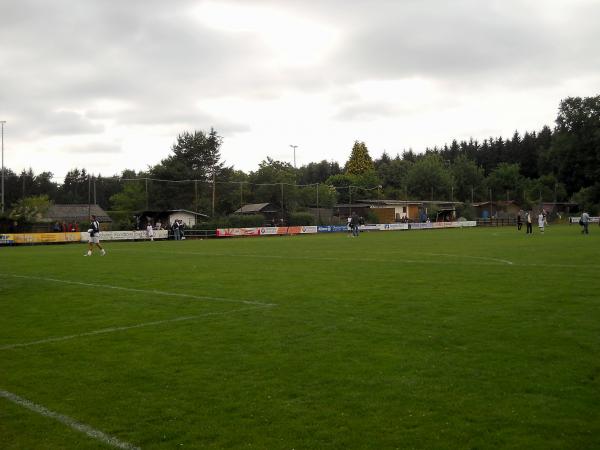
167, 217
344, 210
78, 213
389, 211
498, 209
270, 211
560, 208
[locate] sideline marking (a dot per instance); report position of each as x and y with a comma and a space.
124, 328
143, 291
484, 258
492, 261
66, 420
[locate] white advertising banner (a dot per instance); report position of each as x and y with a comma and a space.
126, 235
392, 226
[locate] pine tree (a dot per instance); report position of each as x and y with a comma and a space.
360, 161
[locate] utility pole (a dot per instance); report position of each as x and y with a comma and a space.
2, 122
196, 195
350, 198
282, 202
318, 210
294, 147
213, 193
89, 196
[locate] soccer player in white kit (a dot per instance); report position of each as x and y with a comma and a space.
94, 237
541, 222
150, 232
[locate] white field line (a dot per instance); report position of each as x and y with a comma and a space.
124, 328
68, 421
481, 260
142, 291
493, 261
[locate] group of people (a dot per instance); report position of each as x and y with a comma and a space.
542, 221
178, 229
65, 228
529, 218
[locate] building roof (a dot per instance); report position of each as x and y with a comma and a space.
255, 208
407, 202
77, 212
186, 211
163, 212
496, 202
352, 205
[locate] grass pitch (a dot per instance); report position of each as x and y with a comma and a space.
473, 338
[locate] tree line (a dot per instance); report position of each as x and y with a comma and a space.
560, 164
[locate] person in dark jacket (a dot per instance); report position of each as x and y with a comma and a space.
94, 238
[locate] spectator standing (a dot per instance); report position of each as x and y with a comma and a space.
585, 221
529, 221
354, 222
181, 229
519, 221
175, 230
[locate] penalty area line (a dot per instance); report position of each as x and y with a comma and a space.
68, 421
125, 328
141, 291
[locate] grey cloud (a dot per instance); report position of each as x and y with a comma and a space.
366, 110
151, 55
97, 148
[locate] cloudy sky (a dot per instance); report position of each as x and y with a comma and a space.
108, 84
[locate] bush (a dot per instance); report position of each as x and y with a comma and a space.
301, 219
467, 211
122, 220
371, 217
232, 221
247, 221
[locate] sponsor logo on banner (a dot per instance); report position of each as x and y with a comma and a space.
392, 226
38, 238
309, 230
6, 239
368, 227
232, 232
125, 235
268, 230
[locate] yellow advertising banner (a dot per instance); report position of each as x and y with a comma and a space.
39, 238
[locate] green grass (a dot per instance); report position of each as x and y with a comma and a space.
473, 338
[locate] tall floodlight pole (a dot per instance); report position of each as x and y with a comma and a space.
2, 122
294, 147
